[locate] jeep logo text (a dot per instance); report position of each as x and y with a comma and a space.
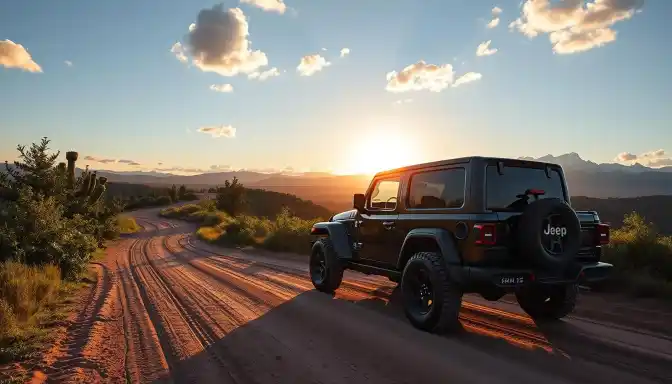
555, 231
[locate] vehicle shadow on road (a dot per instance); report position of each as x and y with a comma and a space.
316, 337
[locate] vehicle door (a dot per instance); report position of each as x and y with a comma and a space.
376, 225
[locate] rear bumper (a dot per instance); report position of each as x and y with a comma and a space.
513, 278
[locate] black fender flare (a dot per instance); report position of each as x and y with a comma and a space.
443, 238
338, 234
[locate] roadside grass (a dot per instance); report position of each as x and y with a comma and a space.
642, 260
127, 224
284, 233
33, 299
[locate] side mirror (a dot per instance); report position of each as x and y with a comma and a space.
359, 201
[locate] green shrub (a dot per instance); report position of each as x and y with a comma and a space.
127, 224
642, 259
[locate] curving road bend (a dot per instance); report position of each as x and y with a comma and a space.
168, 308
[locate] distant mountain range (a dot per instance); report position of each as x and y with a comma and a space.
584, 177
572, 161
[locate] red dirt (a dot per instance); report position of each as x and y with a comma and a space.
169, 308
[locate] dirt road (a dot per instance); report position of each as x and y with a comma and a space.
170, 309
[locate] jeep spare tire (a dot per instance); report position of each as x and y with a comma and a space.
549, 233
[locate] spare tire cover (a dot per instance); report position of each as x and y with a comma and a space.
549, 233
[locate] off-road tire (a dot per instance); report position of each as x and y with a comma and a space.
334, 273
561, 301
447, 297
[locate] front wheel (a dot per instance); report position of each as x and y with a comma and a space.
431, 301
326, 271
548, 303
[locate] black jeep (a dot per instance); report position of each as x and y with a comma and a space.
475, 224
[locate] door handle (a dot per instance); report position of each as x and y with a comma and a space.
388, 224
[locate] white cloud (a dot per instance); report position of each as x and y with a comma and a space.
467, 78
345, 52
421, 76
574, 25
496, 11
403, 101
278, 6
221, 131
218, 42
68, 63
224, 88
311, 64
14, 55
261, 76
485, 50
656, 158
626, 156
111, 161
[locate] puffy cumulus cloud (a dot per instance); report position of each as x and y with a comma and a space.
221, 131
263, 75
311, 64
218, 42
14, 55
496, 11
485, 50
224, 88
574, 25
467, 78
278, 6
662, 162
421, 76
345, 52
626, 156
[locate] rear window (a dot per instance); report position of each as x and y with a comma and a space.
506, 191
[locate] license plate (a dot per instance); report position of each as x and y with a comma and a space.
512, 280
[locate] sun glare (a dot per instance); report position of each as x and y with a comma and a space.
384, 147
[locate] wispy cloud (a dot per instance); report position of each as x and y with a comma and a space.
467, 78
68, 63
655, 158
14, 55
485, 50
224, 88
261, 76
226, 131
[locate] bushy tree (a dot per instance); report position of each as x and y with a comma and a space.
49, 216
173, 194
231, 197
182, 192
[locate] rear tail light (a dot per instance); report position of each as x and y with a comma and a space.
602, 232
486, 234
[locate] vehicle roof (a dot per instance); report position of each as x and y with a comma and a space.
460, 160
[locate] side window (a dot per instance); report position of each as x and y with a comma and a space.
437, 189
384, 195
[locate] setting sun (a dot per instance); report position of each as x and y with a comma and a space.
384, 146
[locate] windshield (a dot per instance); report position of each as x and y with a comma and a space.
507, 191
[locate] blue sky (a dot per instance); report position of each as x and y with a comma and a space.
127, 96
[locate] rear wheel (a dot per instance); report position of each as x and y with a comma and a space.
431, 301
548, 303
326, 271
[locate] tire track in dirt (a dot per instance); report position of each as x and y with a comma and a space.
515, 329
144, 356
